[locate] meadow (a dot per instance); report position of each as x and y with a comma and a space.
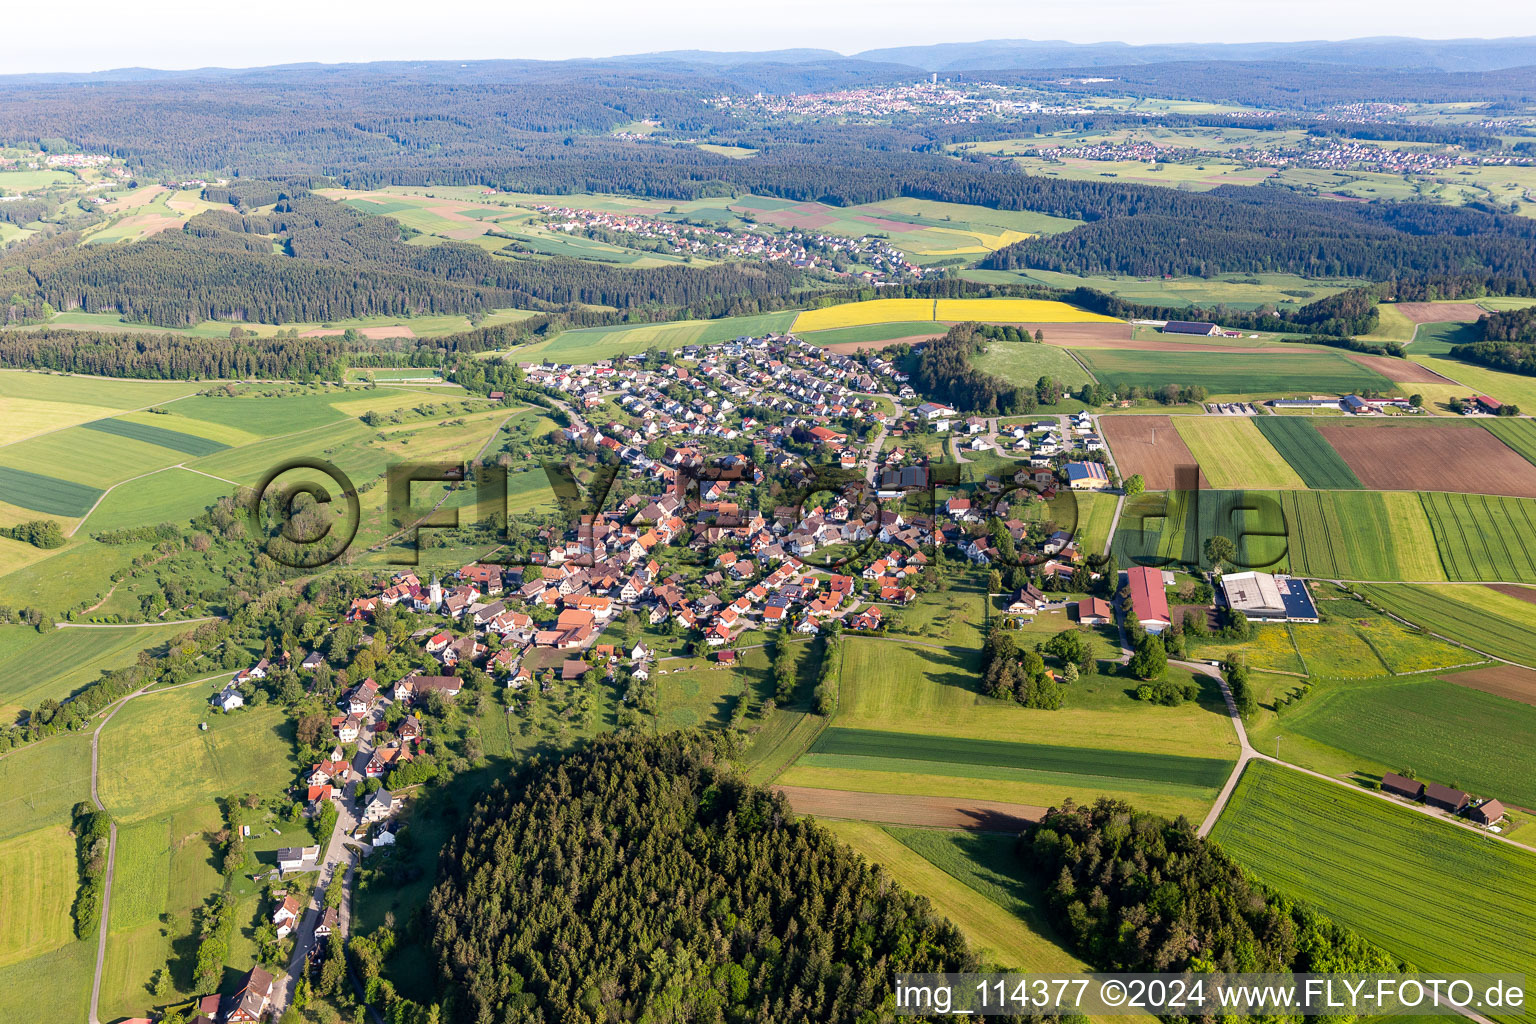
591, 344
35, 666
38, 878
1484, 619
1309, 454
897, 698
1349, 855
976, 882
155, 758
1026, 363
1245, 291
1232, 373
1483, 537
1233, 453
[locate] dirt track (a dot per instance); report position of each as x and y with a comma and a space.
1151, 446
1464, 460
930, 811
1440, 312
1510, 681
1399, 371
400, 331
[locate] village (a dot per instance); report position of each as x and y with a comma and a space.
803, 249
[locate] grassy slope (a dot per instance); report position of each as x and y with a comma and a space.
1396, 876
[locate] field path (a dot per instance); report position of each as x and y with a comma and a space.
106, 894
137, 625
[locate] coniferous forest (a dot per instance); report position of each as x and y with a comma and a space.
641, 880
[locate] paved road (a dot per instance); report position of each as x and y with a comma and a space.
338, 854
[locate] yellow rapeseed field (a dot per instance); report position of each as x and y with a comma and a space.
858, 314
886, 311
1022, 310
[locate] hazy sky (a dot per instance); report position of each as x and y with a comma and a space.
92, 35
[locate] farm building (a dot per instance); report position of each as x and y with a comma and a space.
1086, 476
1094, 611
1266, 598
1487, 812
1148, 601
1484, 404
1397, 785
1445, 798
1314, 402
1191, 327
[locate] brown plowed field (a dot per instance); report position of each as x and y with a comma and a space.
1149, 445
849, 348
1527, 594
929, 811
375, 333
1440, 312
1399, 371
1085, 335
1388, 458
1510, 681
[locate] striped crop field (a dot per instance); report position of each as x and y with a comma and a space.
1308, 452
173, 439
1360, 535
1483, 536
1232, 453
1482, 618
45, 493
1443, 730
1399, 878
1519, 434
1113, 764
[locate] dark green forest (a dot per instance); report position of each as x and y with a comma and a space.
641, 879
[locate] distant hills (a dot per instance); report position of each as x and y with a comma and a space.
1382, 52
804, 69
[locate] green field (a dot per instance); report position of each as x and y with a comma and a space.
41, 782
1444, 732
1233, 453
1360, 535
38, 879
45, 493
1352, 535
1232, 373
900, 703
1484, 619
154, 758
1245, 291
35, 666
1024, 363
1519, 434
1439, 339
591, 344
191, 444
1038, 757
172, 495
974, 880
1095, 512
1310, 455
1483, 537
1397, 877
